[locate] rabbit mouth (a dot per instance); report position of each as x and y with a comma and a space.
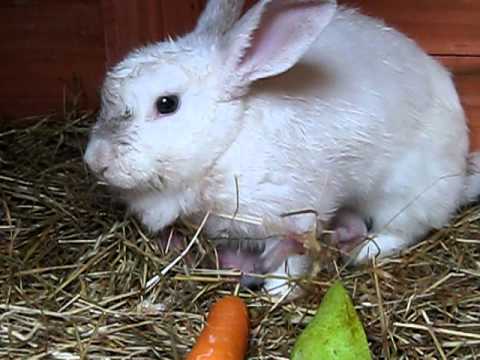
118, 179
127, 182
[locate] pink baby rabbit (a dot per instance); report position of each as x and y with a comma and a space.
295, 105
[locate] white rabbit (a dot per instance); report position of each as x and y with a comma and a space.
296, 105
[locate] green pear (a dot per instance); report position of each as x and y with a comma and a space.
335, 332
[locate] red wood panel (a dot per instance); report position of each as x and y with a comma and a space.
443, 27
44, 44
129, 24
182, 17
133, 23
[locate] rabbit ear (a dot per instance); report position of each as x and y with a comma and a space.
219, 16
271, 37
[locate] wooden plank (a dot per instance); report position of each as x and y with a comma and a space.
44, 44
180, 18
442, 27
133, 23
129, 24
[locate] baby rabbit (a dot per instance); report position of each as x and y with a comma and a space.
296, 105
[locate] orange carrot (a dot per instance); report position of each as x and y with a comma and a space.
225, 336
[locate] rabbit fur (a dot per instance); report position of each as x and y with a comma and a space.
295, 105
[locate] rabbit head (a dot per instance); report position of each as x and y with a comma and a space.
169, 110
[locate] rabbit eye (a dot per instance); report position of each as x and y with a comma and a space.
167, 104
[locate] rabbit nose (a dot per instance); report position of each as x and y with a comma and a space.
98, 156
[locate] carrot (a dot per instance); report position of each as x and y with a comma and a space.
225, 336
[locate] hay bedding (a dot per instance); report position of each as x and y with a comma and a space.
81, 280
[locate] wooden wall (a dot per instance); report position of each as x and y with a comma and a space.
46, 44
